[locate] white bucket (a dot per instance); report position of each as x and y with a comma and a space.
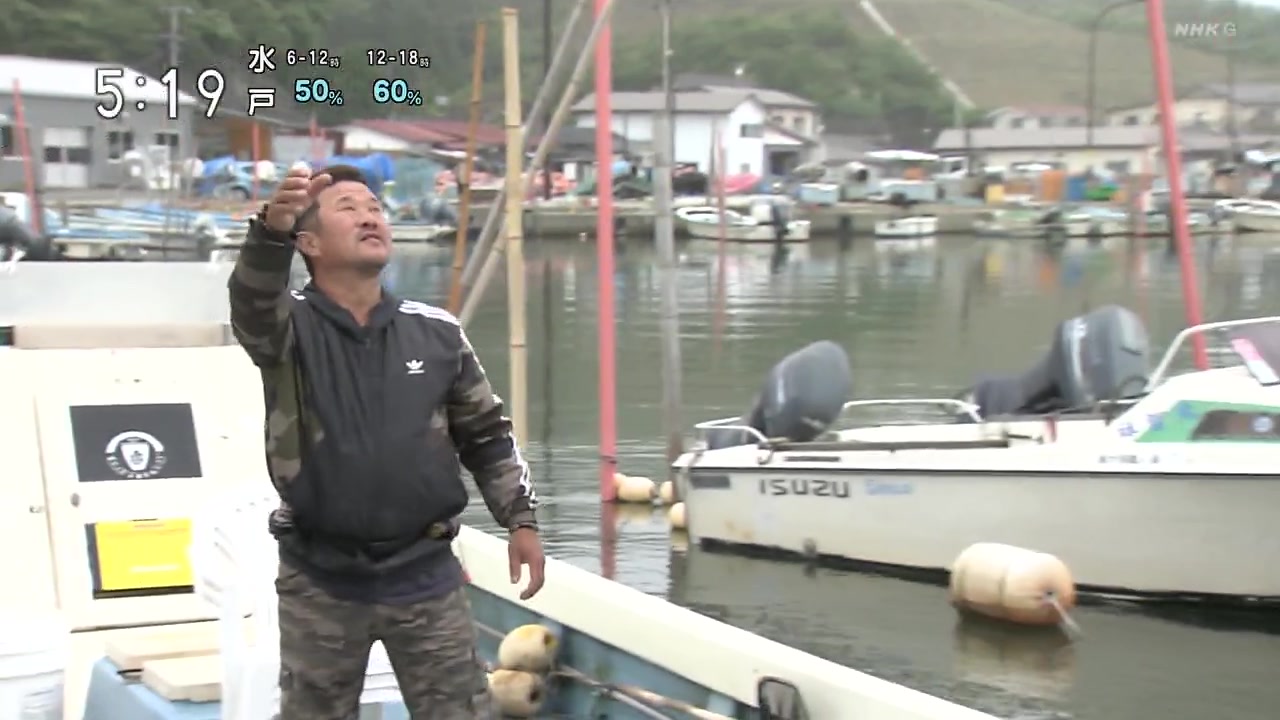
33, 658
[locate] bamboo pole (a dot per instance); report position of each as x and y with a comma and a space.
489, 231
561, 113
519, 405
468, 166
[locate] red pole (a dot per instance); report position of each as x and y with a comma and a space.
1173, 167
604, 257
28, 171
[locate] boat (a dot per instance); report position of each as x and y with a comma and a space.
1168, 493
911, 226
170, 617
1253, 215
703, 221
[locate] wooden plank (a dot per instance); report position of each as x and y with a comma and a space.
132, 652
190, 679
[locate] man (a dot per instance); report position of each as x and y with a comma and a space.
371, 402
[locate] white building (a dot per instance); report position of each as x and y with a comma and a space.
735, 117
1119, 149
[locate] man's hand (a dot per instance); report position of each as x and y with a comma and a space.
293, 196
524, 548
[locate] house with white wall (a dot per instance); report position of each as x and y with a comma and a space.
1118, 149
734, 117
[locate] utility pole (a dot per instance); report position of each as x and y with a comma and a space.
546, 78
1233, 131
664, 226
174, 40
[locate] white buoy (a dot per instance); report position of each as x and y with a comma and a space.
518, 694
531, 648
1012, 583
667, 492
676, 516
634, 489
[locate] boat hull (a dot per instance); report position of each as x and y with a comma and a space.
909, 227
1247, 221
1128, 533
797, 231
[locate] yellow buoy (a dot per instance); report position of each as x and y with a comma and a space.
518, 694
634, 489
676, 516
531, 648
667, 492
1012, 583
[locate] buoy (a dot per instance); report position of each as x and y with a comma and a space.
1012, 583
633, 489
676, 516
518, 694
530, 648
667, 492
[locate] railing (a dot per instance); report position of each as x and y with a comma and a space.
1158, 375
735, 423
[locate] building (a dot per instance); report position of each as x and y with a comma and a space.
414, 137
1030, 117
1118, 149
735, 116
786, 111
1256, 106
69, 143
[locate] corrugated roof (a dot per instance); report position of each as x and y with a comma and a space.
407, 130
767, 97
74, 79
721, 101
1039, 138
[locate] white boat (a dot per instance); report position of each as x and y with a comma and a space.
703, 221
1253, 215
911, 226
1177, 495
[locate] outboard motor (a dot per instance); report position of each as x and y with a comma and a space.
1095, 357
801, 397
437, 210
17, 240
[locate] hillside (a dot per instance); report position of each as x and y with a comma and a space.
1004, 52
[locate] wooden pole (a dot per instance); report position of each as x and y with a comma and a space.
518, 408
489, 231
468, 165
257, 155
28, 162
471, 300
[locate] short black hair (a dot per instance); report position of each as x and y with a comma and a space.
309, 217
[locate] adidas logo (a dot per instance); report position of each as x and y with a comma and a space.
414, 367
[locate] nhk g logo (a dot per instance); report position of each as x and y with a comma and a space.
1204, 29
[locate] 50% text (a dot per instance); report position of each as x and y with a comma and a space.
316, 90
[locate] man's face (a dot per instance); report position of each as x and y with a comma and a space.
349, 231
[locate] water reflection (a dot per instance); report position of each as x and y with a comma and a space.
917, 319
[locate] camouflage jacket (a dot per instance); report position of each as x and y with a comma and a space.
319, 407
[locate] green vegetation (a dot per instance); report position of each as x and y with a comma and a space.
999, 51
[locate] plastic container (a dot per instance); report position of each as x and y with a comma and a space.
33, 661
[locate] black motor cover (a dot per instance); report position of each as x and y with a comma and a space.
1093, 357
801, 397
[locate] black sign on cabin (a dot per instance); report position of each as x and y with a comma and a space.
134, 442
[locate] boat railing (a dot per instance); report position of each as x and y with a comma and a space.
736, 424
1162, 369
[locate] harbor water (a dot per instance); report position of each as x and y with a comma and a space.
916, 319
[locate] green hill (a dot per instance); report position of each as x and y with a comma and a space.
1007, 52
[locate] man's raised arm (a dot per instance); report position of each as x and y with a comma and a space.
260, 299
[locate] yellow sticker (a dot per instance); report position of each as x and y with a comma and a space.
143, 554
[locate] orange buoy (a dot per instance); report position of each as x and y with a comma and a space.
1012, 583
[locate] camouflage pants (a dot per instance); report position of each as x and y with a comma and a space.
324, 651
